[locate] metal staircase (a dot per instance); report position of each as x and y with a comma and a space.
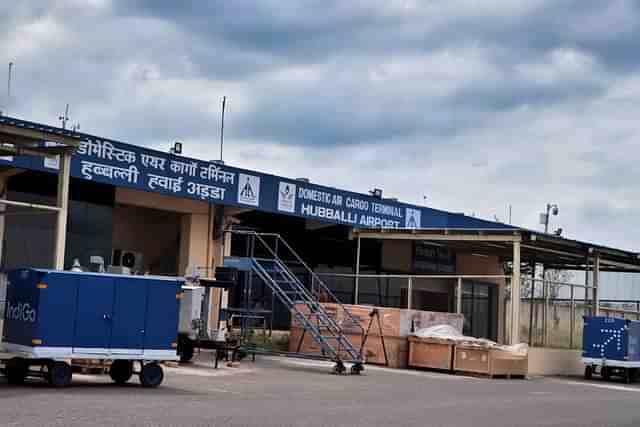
268, 255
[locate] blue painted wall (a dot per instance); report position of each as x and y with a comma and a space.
125, 165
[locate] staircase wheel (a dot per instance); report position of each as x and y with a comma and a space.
357, 368
339, 368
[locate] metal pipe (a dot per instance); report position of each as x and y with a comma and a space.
572, 324
586, 284
545, 298
357, 285
515, 295
63, 209
30, 205
8, 89
459, 296
421, 276
531, 304
224, 102
410, 294
596, 284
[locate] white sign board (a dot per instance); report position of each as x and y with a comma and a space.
248, 189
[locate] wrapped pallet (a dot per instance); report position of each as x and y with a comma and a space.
390, 336
445, 347
433, 346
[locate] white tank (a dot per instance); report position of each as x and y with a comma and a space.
190, 309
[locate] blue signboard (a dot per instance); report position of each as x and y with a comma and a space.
124, 165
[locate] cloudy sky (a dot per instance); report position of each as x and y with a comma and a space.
476, 105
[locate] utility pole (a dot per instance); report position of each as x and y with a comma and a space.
8, 88
64, 118
224, 102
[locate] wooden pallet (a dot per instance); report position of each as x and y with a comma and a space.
488, 363
489, 376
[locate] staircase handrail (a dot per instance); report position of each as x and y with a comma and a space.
314, 276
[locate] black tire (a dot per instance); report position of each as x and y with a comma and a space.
339, 368
17, 371
60, 374
121, 371
605, 373
186, 350
633, 375
151, 375
357, 368
588, 372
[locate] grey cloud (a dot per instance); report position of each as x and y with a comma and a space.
468, 102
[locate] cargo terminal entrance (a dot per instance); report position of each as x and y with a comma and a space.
374, 272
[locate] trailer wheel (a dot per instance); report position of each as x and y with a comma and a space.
605, 373
588, 372
151, 375
633, 374
60, 374
121, 371
17, 371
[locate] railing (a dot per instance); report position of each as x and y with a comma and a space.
551, 312
396, 290
282, 251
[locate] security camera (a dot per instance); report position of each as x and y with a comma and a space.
554, 210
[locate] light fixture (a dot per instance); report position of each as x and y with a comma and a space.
177, 148
376, 192
552, 209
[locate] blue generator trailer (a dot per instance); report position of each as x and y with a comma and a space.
611, 347
54, 316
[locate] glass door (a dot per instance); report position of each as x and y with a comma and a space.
479, 306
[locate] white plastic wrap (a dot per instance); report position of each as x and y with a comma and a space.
521, 349
439, 331
448, 332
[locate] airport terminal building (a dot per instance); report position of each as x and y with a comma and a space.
163, 213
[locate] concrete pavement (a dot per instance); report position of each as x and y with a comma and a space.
279, 392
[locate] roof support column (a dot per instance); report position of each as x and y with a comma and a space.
515, 295
356, 287
596, 285
63, 209
459, 295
